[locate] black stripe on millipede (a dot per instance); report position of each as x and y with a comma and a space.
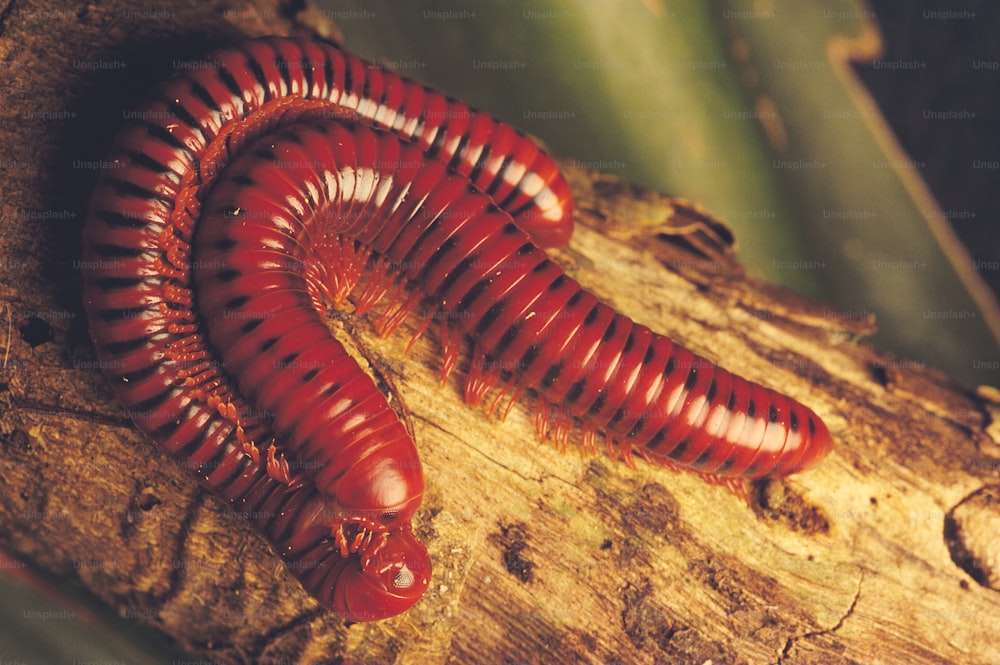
385, 90
348, 77
127, 346
703, 458
366, 87
498, 179
281, 64
165, 431
122, 314
725, 466
793, 420
692, 378
637, 427
177, 109
438, 141
418, 131
206, 98
477, 168
238, 471
552, 374
598, 404
438, 254
195, 445
138, 375
237, 302
456, 159
330, 390
629, 341
110, 251
122, 221
527, 207
530, 355
509, 201
308, 69
229, 81
265, 154
560, 279
228, 275
125, 188
648, 357
610, 332
491, 315
656, 441
415, 250
194, 442
472, 295
292, 137
164, 135
117, 283
506, 339
574, 392
460, 269
328, 72
258, 73
680, 449
145, 161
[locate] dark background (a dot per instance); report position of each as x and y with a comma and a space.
949, 82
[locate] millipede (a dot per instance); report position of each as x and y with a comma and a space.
252, 193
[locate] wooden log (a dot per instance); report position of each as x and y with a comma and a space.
886, 553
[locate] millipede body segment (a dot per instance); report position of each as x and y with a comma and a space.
250, 195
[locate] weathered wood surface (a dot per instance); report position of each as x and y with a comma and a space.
540, 556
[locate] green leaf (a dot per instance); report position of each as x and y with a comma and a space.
749, 109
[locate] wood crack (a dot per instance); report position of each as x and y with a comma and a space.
825, 631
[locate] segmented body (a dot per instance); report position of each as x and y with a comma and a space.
138, 294
483, 272
211, 243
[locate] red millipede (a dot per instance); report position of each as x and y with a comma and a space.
251, 192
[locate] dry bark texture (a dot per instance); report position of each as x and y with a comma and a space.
885, 553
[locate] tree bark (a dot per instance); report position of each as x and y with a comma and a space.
884, 553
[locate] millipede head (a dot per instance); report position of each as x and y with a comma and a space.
381, 492
384, 579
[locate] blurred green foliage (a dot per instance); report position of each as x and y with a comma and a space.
748, 108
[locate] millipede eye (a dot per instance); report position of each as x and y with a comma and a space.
389, 516
404, 578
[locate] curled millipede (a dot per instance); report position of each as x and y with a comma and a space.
250, 195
